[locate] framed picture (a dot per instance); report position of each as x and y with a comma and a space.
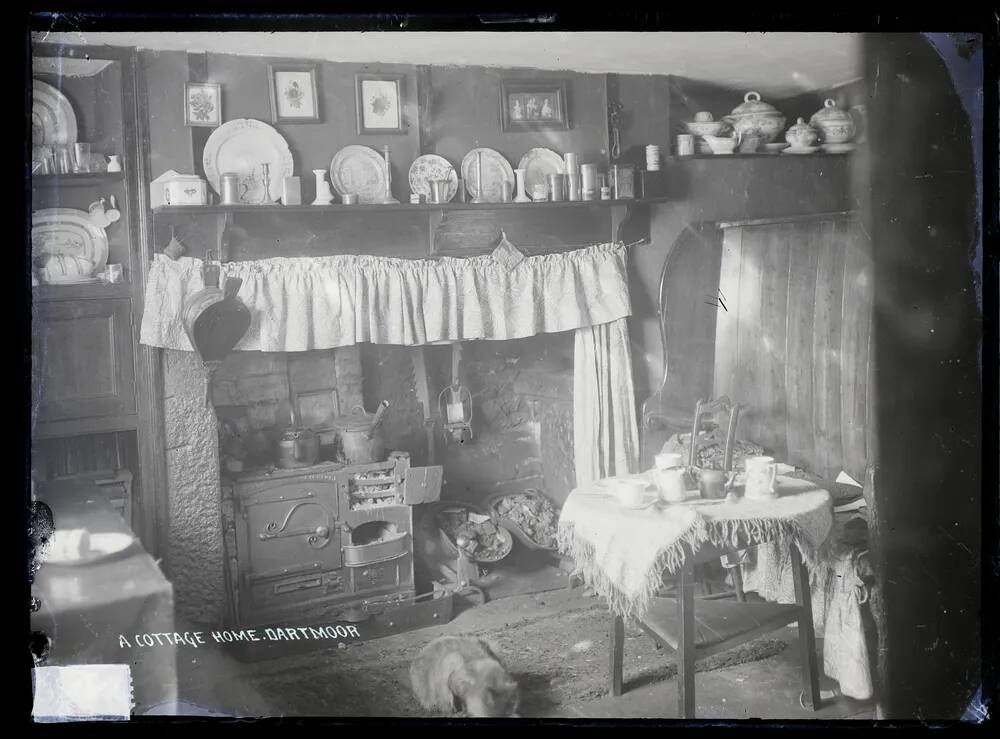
202, 104
533, 106
380, 104
294, 98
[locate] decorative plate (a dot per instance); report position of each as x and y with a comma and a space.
359, 170
242, 146
432, 167
538, 164
70, 232
53, 122
803, 150
496, 169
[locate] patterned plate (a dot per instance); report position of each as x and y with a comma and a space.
496, 169
359, 170
242, 146
432, 167
53, 122
538, 164
70, 232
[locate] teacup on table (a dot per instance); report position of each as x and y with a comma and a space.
630, 493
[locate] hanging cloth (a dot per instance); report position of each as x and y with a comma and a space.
605, 433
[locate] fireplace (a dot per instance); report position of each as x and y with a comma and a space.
546, 357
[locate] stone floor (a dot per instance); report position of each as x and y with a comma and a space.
213, 682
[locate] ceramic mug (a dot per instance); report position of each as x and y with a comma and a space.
761, 474
631, 493
671, 485
703, 117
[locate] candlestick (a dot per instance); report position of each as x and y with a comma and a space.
388, 178
479, 179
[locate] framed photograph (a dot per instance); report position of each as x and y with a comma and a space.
294, 97
533, 106
202, 104
380, 104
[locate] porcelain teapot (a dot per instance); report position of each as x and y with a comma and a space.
834, 124
756, 116
801, 135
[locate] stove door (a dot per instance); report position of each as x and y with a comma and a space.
291, 529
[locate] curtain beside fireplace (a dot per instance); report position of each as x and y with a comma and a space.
302, 304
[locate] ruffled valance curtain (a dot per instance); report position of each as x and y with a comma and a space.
327, 302
300, 304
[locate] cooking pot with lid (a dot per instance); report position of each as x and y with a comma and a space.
360, 438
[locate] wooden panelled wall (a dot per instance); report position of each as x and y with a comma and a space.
794, 340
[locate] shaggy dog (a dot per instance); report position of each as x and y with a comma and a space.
453, 673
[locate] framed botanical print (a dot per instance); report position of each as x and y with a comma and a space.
380, 104
294, 96
202, 104
533, 105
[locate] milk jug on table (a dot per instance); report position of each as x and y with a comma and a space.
669, 478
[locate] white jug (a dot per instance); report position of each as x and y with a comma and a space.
671, 485
761, 475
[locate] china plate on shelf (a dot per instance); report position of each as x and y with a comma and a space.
70, 232
803, 150
53, 122
359, 170
71, 280
432, 167
496, 169
776, 147
538, 164
242, 146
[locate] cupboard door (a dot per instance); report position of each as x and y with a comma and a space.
83, 359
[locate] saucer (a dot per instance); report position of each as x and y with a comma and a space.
837, 148
803, 150
776, 147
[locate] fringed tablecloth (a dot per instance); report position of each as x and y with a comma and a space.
622, 554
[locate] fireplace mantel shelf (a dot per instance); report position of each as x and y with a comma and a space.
382, 207
407, 230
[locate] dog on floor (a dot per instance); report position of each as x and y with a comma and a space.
455, 673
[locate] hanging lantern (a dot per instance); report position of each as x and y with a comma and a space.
455, 405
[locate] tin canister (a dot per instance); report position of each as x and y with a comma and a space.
557, 192
685, 145
229, 183
507, 191
573, 186
588, 181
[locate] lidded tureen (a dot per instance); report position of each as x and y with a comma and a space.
754, 115
801, 135
834, 124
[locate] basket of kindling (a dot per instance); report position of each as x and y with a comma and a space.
466, 527
529, 516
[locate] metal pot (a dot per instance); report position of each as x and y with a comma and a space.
754, 115
298, 447
360, 436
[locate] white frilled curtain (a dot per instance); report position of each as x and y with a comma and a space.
301, 304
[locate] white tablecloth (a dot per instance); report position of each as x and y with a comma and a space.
622, 553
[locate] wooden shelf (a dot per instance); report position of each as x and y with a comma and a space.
760, 155
74, 180
92, 290
384, 207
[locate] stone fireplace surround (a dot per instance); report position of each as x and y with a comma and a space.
522, 419
522, 376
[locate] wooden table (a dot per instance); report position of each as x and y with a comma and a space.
85, 608
696, 629
620, 551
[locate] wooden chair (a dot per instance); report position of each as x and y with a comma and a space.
699, 628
